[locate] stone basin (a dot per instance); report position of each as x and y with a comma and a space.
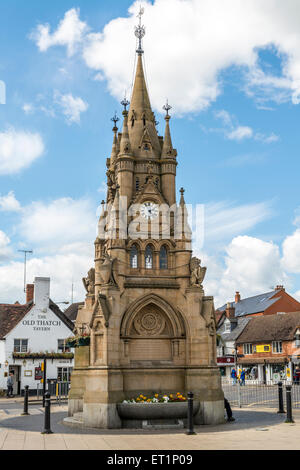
151, 411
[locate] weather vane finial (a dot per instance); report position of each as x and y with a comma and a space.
115, 119
125, 103
167, 108
140, 31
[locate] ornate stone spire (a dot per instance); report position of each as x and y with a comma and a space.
114, 150
167, 150
125, 147
142, 130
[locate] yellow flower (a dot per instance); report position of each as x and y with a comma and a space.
171, 396
156, 395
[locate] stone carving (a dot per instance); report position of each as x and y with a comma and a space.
149, 324
106, 270
89, 282
211, 327
197, 272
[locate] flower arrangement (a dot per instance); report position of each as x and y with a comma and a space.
164, 398
78, 340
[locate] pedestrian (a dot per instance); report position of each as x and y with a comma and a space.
233, 376
228, 410
242, 378
10, 385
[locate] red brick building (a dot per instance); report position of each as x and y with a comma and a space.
268, 347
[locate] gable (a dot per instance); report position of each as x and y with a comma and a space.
41, 322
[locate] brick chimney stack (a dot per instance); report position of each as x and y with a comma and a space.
29, 292
237, 297
279, 288
230, 311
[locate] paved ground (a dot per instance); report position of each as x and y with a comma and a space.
253, 429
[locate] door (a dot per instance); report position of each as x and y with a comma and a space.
17, 379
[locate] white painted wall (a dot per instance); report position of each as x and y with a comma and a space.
42, 328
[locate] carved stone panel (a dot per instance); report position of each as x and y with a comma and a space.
149, 323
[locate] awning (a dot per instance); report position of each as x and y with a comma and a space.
263, 360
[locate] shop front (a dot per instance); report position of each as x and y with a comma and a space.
226, 364
267, 370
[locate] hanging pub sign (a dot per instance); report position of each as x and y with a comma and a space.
38, 374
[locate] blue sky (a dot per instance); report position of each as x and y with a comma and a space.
230, 72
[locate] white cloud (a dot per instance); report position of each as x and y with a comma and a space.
252, 266
5, 249
207, 37
291, 252
72, 107
223, 221
234, 131
9, 203
266, 139
61, 268
28, 108
240, 133
56, 225
18, 149
69, 33
61, 234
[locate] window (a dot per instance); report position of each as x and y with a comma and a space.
134, 257
137, 184
61, 348
149, 257
163, 258
20, 345
227, 326
247, 347
64, 374
277, 347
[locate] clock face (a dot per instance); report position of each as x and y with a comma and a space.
149, 210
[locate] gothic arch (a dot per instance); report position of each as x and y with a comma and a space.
174, 317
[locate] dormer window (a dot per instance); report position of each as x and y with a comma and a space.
227, 326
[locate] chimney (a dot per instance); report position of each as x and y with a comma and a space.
41, 292
230, 311
237, 297
29, 292
279, 288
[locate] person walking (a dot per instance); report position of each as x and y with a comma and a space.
233, 376
242, 378
10, 385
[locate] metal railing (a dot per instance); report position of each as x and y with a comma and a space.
57, 389
259, 394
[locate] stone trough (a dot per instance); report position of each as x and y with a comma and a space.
155, 415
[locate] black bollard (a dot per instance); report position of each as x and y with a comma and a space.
280, 398
25, 412
190, 414
47, 429
289, 417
